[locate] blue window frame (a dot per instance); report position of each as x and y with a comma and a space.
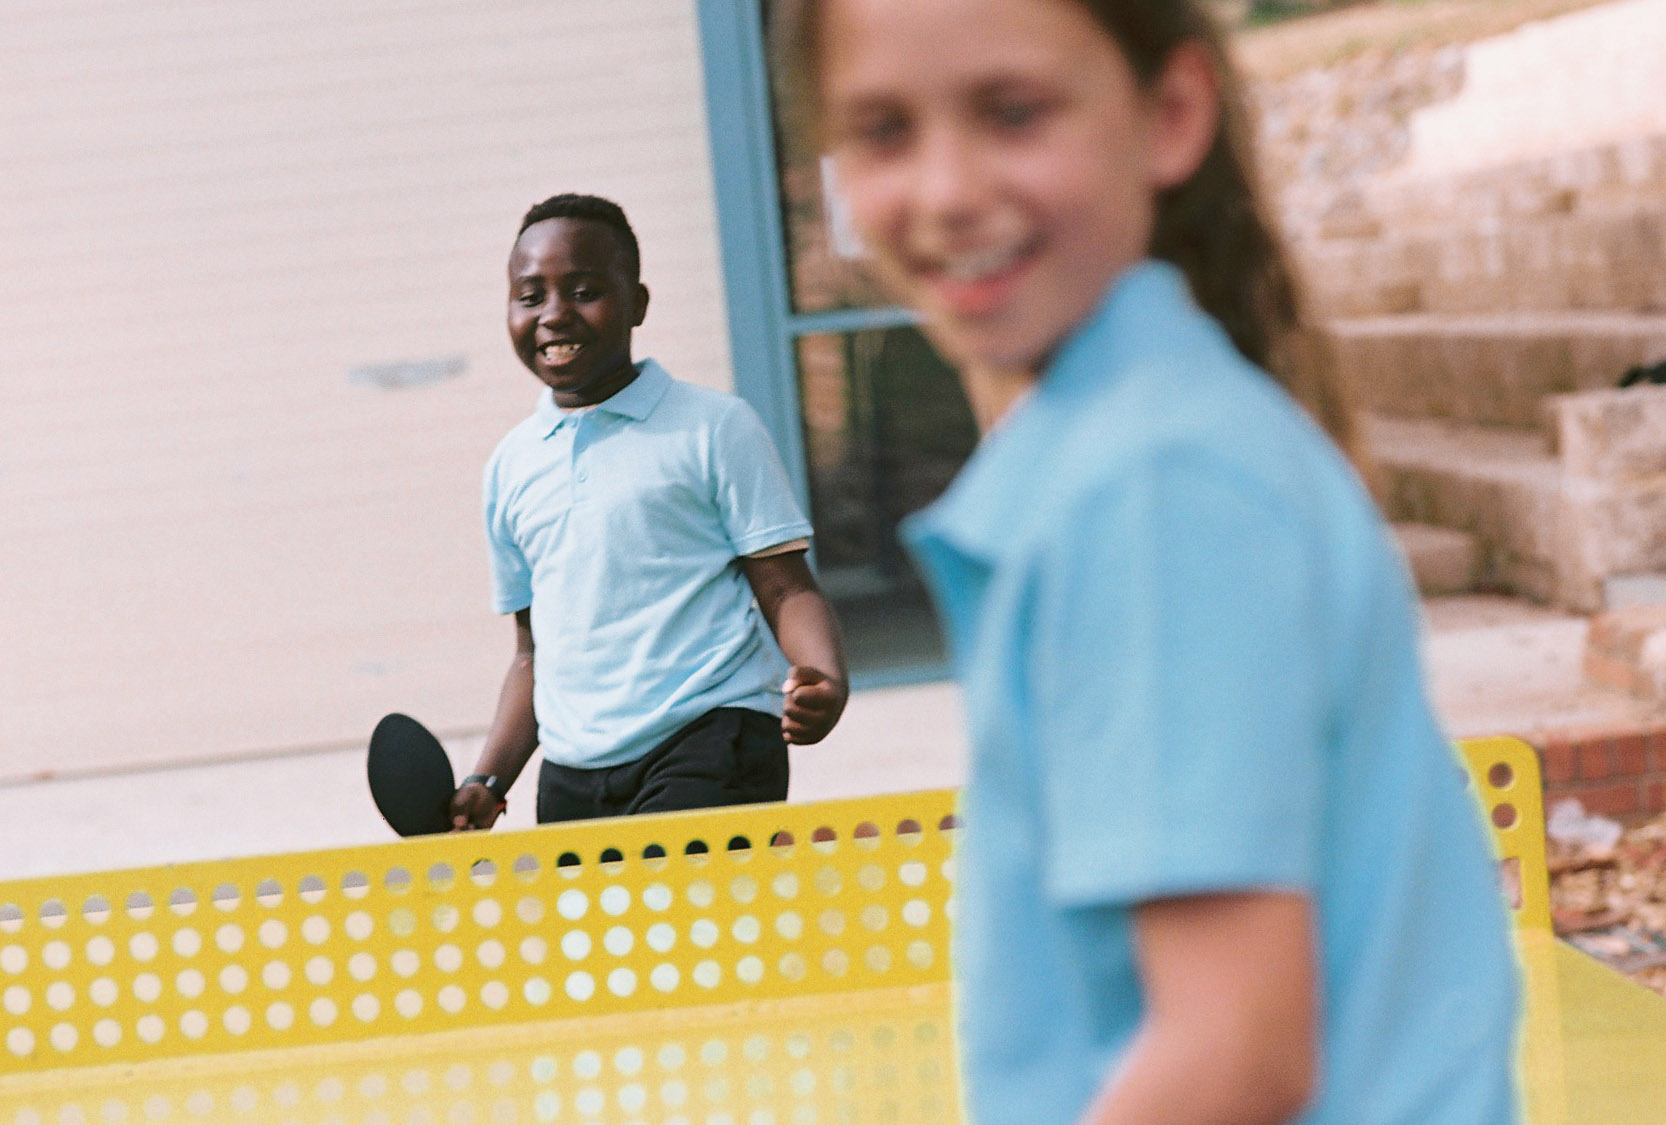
870, 423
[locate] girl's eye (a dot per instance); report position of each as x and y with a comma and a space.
879, 131
1015, 114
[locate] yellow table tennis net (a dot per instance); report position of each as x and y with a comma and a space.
466, 932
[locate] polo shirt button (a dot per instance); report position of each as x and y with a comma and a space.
583, 476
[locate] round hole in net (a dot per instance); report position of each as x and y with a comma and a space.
190, 983
139, 906
402, 922
878, 958
701, 894
703, 933
746, 929
103, 991
355, 884
835, 962
534, 950
740, 844
1504, 815
909, 830
530, 910
147, 988
451, 999
234, 980
441, 876
697, 850
781, 842
743, 889
183, 901
96, 909
56, 954
366, 1007
408, 1003
828, 881
229, 938
445, 918
53, 912
866, 834
14, 959
575, 945
310, 889
874, 918
572, 904
322, 1012
193, 1024
675, 1095
60, 996
714, 1052
920, 954
63, 1038
361, 967
483, 872
488, 912
315, 929
665, 977
525, 867
269, 893
621, 982
143, 946
793, 966
657, 897
405, 962
749, 970
150, 1028
397, 880
20, 1041
708, 974
871, 877
580, 986
491, 954
537, 991
619, 940
672, 1056
275, 975
568, 863
610, 859
916, 912
654, 856
949, 823
100, 950
16, 1000
272, 933
831, 922
1500, 775
225, 896
590, 1102
448, 958
824, 839
661, 936
11, 918
107, 1033
785, 885
913, 873
187, 942
634, 1097
319, 971
359, 925
790, 925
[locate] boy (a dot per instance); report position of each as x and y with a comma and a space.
643, 534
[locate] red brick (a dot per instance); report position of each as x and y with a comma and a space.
1631, 754
1654, 797
1559, 761
1594, 759
1611, 800
1657, 748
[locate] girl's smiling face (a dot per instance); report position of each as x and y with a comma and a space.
1000, 158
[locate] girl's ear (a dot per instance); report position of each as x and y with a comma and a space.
1186, 105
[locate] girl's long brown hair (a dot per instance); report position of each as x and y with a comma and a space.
1214, 227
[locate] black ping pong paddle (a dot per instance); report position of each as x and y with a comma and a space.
410, 777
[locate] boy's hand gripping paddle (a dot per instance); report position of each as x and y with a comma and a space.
410, 777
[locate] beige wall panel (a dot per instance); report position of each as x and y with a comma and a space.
211, 211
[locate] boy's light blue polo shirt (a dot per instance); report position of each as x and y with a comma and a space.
1190, 663
621, 527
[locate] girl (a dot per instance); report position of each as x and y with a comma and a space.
1218, 864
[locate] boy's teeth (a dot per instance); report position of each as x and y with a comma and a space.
560, 353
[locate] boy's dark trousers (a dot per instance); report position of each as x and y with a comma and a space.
728, 756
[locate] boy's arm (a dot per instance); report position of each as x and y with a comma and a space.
510, 741
808, 633
1230, 1034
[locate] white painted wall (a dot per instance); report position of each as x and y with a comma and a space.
211, 542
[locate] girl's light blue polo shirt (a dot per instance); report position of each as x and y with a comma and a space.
621, 526
1189, 655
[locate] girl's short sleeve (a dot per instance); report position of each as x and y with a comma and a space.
1178, 685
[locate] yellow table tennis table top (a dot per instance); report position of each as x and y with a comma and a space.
794, 972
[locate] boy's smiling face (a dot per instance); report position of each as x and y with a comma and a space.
573, 302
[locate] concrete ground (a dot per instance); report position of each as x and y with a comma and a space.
1497, 665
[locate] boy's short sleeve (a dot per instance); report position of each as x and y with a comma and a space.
754, 499
511, 574
1178, 681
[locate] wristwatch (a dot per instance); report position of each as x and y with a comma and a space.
489, 780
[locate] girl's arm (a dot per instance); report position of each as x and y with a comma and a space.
1231, 1027
808, 633
510, 741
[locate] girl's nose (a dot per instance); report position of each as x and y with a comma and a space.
947, 187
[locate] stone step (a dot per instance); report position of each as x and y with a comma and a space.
1443, 561
1543, 531
1611, 261
1494, 369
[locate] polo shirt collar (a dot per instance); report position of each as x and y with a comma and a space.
635, 401
1003, 486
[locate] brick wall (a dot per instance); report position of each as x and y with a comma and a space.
216, 542
1618, 773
